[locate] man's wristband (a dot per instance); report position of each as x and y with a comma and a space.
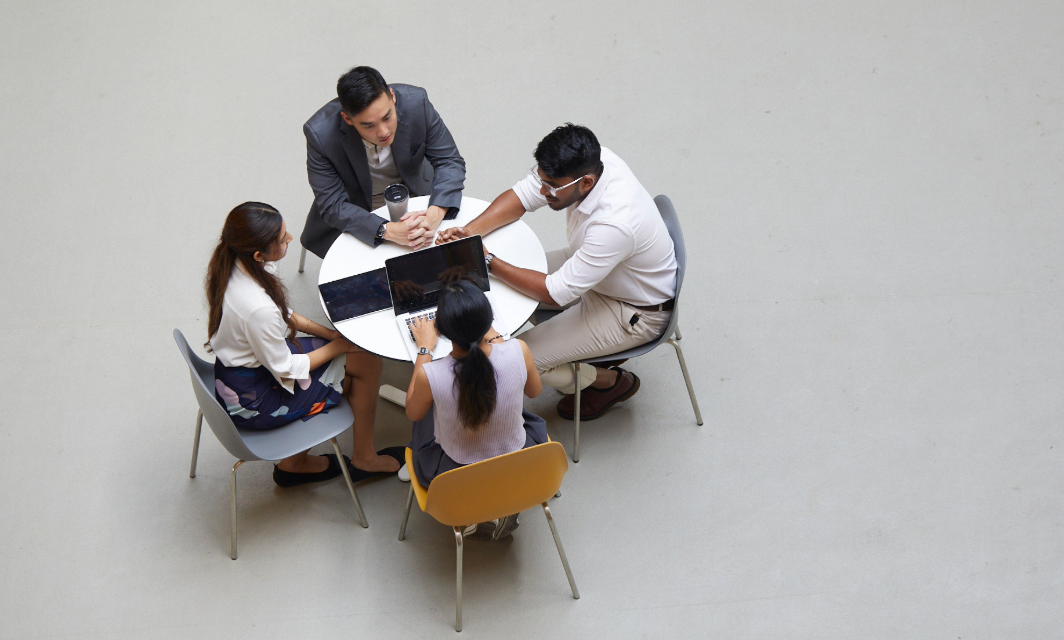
380, 234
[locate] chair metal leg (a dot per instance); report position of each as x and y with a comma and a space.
677, 333
576, 414
687, 378
302, 259
350, 485
195, 443
561, 551
406, 513
232, 508
458, 581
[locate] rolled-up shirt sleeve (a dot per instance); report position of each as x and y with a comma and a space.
528, 193
603, 248
265, 334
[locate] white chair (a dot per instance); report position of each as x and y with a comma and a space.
273, 444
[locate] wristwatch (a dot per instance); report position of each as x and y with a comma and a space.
380, 234
487, 260
423, 351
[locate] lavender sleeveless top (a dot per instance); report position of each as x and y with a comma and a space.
504, 431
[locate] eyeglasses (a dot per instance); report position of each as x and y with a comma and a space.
552, 190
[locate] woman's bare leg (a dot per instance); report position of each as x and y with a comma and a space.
361, 385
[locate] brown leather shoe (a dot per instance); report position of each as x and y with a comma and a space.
567, 404
595, 402
568, 401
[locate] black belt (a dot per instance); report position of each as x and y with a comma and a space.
664, 306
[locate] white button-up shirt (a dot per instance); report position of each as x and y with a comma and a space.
252, 332
620, 245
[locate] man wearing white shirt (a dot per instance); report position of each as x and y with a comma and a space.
616, 278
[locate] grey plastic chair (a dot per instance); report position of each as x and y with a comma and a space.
672, 222
248, 445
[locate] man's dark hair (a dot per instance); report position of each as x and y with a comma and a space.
358, 88
569, 151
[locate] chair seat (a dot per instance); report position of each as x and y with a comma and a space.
624, 355
284, 442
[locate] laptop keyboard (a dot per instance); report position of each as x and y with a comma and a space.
431, 315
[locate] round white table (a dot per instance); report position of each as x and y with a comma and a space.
377, 332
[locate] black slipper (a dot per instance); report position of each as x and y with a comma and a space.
291, 479
399, 453
357, 475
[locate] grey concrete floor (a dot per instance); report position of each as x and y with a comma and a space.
871, 194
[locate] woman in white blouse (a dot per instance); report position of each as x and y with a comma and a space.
265, 379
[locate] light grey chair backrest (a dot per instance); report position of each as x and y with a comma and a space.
672, 223
217, 417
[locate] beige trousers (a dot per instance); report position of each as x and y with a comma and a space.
595, 325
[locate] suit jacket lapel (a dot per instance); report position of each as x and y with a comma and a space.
356, 153
401, 144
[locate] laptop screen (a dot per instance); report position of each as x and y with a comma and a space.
357, 295
417, 278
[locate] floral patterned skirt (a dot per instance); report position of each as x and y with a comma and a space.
255, 400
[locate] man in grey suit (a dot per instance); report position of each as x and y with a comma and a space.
373, 135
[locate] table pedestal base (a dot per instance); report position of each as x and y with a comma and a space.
393, 395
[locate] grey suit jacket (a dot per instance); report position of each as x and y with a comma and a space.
424, 153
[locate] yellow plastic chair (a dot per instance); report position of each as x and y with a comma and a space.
490, 489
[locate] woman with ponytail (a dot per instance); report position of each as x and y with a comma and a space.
468, 406
265, 376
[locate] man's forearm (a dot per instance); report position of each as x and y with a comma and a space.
501, 212
531, 283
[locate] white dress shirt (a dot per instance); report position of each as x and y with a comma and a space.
382, 171
252, 332
620, 245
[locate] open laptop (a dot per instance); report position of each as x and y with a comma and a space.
416, 280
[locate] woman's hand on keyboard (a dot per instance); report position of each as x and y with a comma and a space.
424, 331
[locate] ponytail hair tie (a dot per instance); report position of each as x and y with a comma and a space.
473, 344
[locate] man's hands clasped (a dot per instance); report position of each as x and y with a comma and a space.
416, 228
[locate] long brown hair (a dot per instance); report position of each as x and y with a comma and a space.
463, 317
250, 227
